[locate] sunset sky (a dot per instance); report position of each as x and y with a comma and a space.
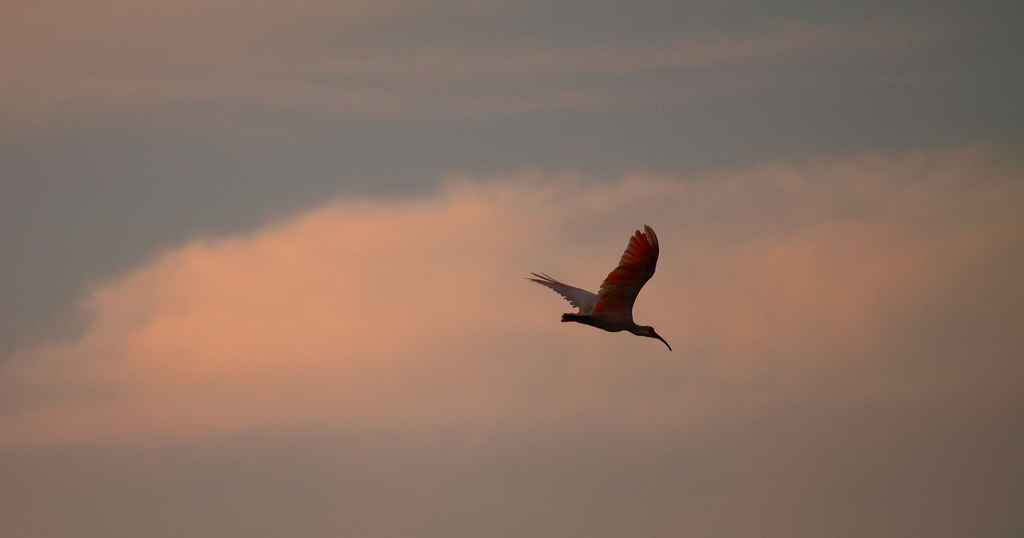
263, 268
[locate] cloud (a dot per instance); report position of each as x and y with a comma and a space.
846, 339
228, 61
416, 314
79, 60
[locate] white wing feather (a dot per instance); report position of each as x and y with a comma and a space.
581, 299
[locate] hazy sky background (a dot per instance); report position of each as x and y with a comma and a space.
263, 268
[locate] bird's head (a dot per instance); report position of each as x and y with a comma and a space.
648, 331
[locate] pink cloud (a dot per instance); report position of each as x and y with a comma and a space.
416, 314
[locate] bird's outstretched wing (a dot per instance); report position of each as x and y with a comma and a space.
582, 299
620, 288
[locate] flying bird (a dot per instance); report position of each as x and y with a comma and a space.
611, 308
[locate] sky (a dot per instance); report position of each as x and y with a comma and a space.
264, 265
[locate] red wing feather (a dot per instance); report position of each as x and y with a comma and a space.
620, 288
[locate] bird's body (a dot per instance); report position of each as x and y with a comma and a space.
611, 308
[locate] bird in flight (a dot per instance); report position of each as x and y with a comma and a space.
611, 308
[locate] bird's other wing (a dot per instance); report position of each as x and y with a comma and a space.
620, 288
582, 299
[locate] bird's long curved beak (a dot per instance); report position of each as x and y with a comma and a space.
663, 341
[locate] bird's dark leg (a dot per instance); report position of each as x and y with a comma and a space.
574, 317
590, 320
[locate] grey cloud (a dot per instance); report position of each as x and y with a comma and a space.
160, 62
